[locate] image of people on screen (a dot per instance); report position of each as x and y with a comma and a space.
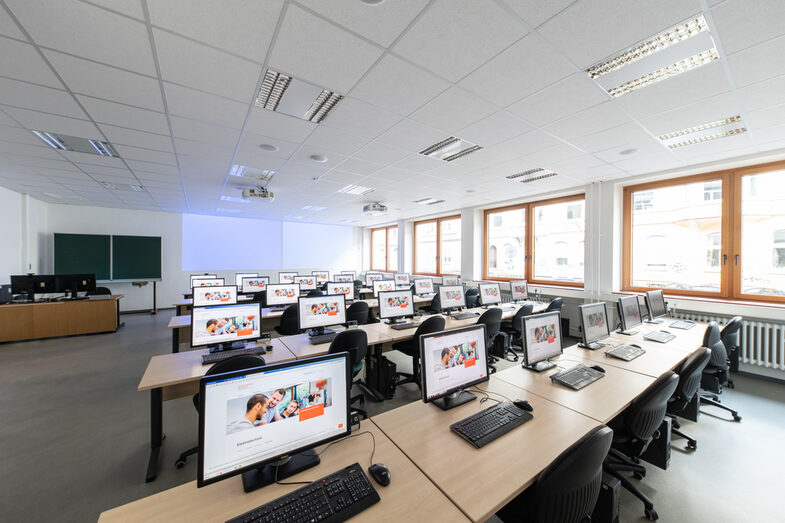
342, 289
255, 284
329, 308
544, 334
255, 409
491, 291
289, 292
452, 295
239, 325
596, 319
462, 355
216, 296
632, 312
398, 301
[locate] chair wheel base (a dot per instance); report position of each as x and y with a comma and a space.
180, 463
638, 475
651, 514
692, 445
736, 417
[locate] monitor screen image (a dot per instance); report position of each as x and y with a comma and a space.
629, 312
307, 283
321, 276
201, 277
370, 277
343, 278
402, 279
382, 285
254, 284
225, 324
347, 289
451, 280
594, 322
541, 337
452, 360
253, 416
519, 290
321, 311
655, 302
286, 277
283, 293
490, 294
353, 273
395, 304
452, 296
238, 277
222, 295
207, 282
423, 286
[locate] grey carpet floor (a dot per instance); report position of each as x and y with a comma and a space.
74, 436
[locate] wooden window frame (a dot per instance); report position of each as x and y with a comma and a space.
528, 239
438, 222
386, 230
730, 228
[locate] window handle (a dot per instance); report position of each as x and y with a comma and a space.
724, 259
737, 259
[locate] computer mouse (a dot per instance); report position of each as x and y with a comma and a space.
380, 473
523, 405
598, 368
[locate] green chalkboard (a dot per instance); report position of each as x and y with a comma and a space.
136, 257
82, 254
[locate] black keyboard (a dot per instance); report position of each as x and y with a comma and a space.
323, 338
577, 377
336, 497
487, 425
625, 352
404, 326
215, 357
683, 324
659, 336
464, 315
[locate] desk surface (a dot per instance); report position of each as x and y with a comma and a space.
300, 344
481, 481
657, 360
409, 497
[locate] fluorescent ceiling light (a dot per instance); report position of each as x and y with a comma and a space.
428, 201
534, 178
103, 148
259, 176
52, 140
707, 137
524, 173
729, 126
138, 188
288, 95
679, 49
450, 149
356, 189
698, 128
315, 208
273, 87
324, 103
110, 186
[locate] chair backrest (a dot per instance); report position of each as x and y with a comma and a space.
492, 319
568, 488
353, 341
525, 310
713, 340
239, 362
644, 416
472, 297
429, 325
730, 334
358, 284
359, 312
436, 302
315, 292
555, 305
290, 323
690, 378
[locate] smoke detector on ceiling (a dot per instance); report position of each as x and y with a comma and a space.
374, 209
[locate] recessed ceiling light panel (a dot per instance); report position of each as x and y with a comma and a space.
450, 149
356, 189
284, 94
729, 126
524, 173
428, 201
64, 142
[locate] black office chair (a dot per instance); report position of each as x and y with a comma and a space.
314, 292
472, 297
492, 319
99, 291
239, 362
716, 372
555, 305
358, 285
634, 429
513, 328
359, 312
290, 323
689, 374
411, 347
730, 338
567, 490
436, 304
355, 342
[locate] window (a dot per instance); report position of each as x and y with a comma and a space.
384, 249
724, 234
437, 246
546, 249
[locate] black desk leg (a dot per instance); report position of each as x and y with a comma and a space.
375, 353
156, 432
175, 340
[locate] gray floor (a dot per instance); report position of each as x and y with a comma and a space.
75, 433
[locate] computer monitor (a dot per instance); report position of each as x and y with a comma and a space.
353, 273
541, 340
6, 294
282, 294
200, 276
519, 290
242, 432
74, 283
343, 278
629, 314
402, 279
318, 312
321, 276
238, 277
370, 277
382, 285
451, 280
452, 297
220, 326
594, 324
207, 282
452, 361
395, 305
222, 295
254, 284
307, 283
33, 284
286, 277
655, 302
490, 294
347, 289
423, 286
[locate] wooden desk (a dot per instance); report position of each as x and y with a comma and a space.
481, 481
300, 344
181, 326
655, 362
171, 376
409, 497
32, 321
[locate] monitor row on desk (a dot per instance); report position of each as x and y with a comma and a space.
68, 284
317, 278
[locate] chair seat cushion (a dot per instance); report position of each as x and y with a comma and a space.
357, 367
407, 347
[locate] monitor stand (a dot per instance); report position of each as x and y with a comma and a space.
627, 332
540, 366
592, 345
224, 347
656, 322
278, 470
453, 400
319, 331
392, 321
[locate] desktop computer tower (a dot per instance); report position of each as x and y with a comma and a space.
607, 508
658, 453
381, 374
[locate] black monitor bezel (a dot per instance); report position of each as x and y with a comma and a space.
408, 276
373, 287
315, 283
524, 319
423, 383
322, 297
193, 297
441, 303
293, 302
257, 277
379, 305
244, 340
349, 297
525, 282
30, 280
647, 298
622, 317
200, 481
201, 276
293, 273
581, 308
63, 282
423, 293
245, 275
223, 282
313, 273
479, 287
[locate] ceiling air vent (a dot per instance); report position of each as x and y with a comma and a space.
283, 94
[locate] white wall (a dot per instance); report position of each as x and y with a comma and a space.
11, 220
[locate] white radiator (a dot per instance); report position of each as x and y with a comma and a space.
761, 343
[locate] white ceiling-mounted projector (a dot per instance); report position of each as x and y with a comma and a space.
374, 209
258, 192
